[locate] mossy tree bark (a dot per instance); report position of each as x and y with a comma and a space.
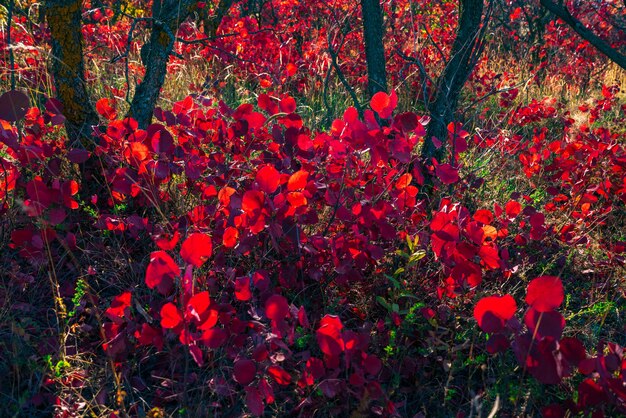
68, 70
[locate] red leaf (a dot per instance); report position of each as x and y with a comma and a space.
489, 255
287, 104
447, 174
161, 272
198, 305
266, 391
78, 156
8, 177
483, 216
196, 354
590, 394
538, 229
303, 319
315, 366
545, 293
329, 336
254, 401
252, 200
297, 199
214, 337
211, 320
573, 350
305, 143
268, 179
231, 235
167, 242
512, 209
149, 336
540, 358
280, 375
182, 107
298, 180
544, 324
384, 104
255, 120
372, 365
497, 344
105, 107
170, 316
242, 288
119, 306
291, 69
225, 194
492, 312
244, 371
276, 307
160, 139
138, 152
467, 272
404, 181
196, 249
13, 106
407, 122
268, 104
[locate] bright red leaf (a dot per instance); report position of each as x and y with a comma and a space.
384, 104
287, 104
252, 200
329, 336
298, 180
119, 307
198, 305
279, 375
276, 307
242, 288
196, 249
161, 272
492, 312
545, 293
231, 235
106, 108
268, 179
512, 209
170, 316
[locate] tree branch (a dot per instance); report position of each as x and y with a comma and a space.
600, 44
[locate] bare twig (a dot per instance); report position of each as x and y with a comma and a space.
342, 78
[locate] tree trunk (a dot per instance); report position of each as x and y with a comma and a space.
212, 23
68, 70
461, 64
374, 49
167, 17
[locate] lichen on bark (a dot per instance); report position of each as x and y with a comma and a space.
67, 68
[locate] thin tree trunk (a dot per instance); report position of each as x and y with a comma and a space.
167, 16
461, 64
68, 70
374, 49
212, 23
